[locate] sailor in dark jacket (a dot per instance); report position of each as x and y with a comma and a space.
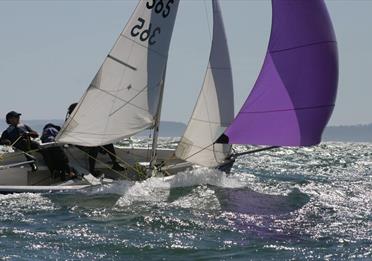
56, 159
19, 136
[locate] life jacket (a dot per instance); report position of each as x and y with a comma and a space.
50, 132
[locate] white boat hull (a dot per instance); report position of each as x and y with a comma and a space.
16, 175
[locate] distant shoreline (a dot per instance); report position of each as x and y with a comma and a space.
167, 128
352, 133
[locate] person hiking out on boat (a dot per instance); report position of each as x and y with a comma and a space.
93, 151
20, 136
56, 159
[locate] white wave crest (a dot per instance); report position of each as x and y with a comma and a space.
157, 189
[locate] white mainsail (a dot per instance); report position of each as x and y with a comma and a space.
124, 96
214, 110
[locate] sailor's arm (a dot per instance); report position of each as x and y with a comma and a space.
31, 133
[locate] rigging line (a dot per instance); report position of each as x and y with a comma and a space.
20, 136
11, 145
16, 154
193, 145
116, 157
21, 152
233, 155
126, 102
96, 159
123, 161
192, 155
129, 102
69, 152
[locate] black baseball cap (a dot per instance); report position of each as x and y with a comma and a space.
12, 114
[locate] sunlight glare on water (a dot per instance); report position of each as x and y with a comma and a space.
308, 203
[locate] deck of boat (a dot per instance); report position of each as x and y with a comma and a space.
16, 174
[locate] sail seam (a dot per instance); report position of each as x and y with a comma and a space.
146, 47
126, 102
122, 63
129, 102
213, 122
295, 109
203, 148
301, 46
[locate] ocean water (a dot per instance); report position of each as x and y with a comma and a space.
289, 204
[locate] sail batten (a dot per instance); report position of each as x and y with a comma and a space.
214, 109
295, 93
124, 97
122, 63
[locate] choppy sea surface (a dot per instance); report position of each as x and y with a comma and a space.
288, 204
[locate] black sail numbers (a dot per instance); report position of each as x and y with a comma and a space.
160, 6
146, 34
149, 33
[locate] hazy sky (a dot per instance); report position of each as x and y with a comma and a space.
50, 51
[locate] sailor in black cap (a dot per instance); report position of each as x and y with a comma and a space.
19, 135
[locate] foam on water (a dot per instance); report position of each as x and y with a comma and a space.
157, 189
308, 203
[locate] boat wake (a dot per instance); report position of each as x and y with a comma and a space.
163, 189
203, 189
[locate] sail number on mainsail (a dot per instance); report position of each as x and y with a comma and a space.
149, 34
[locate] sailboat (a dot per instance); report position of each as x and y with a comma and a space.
213, 113
294, 95
289, 105
123, 99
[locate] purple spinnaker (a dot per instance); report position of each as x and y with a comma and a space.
295, 93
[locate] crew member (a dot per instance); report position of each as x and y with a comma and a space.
20, 136
56, 159
93, 151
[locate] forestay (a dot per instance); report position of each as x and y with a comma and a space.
295, 93
124, 96
214, 110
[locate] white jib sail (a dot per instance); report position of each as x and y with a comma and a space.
214, 110
124, 96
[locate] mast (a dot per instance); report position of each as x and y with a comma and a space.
155, 135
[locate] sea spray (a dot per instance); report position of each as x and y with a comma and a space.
158, 188
289, 204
